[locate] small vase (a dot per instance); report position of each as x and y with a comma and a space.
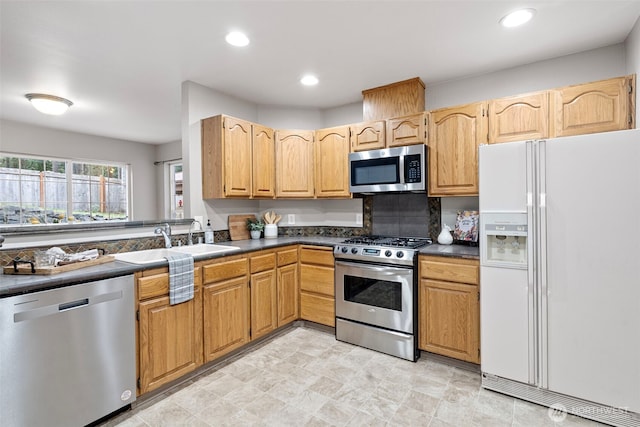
270, 231
255, 234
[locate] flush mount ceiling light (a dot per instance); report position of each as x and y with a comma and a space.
236, 38
309, 80
49, 104
517, 18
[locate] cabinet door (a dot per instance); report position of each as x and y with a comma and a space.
318, 308
264, 162
226, 317
407, 130
519, 118
170, 340
287, 294
332, 162
601, 106
448, 319
454, 136
264, 303
237, 157
368, 136
294, 164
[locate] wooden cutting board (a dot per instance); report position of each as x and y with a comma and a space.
238, 226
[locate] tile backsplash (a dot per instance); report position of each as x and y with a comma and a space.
405, 214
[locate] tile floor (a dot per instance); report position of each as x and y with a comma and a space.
304, 377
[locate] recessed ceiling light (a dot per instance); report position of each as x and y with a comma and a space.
236, 38
49, 104
309, 80
517, 18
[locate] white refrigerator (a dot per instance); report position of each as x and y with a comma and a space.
560, 273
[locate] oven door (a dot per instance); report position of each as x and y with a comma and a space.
378, 295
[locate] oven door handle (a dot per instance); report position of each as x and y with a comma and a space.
386, 270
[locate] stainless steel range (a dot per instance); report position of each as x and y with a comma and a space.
377, 292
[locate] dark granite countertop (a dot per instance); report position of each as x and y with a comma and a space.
19, 284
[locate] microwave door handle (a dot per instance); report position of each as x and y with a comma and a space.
402, 172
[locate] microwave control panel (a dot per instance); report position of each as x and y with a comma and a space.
412, 166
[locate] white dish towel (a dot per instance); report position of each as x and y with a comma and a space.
180, 278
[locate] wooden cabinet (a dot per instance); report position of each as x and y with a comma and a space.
226, 157
454, 136
449, 307
294, 164
264, 297
393, 100
407, 130
600, 106
225, 306
332, 148
238, 159
317, 293
368, 135
519, 118
169, 336
263, 162
287, 284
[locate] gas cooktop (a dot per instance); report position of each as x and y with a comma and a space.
381, 249
385, 241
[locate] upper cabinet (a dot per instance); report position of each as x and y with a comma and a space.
332, 148
518, 118
226, 157
237, 159
393, 100
263, 162
294, 164
368, 136
454, 136
407, 130
601, 106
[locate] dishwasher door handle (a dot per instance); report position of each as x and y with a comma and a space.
73, 304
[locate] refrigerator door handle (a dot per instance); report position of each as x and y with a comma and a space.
531, 275
541, 263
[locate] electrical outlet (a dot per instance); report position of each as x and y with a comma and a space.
359, 219
291, 219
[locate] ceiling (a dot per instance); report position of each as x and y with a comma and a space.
122, 62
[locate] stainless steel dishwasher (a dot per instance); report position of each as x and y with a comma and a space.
67, 355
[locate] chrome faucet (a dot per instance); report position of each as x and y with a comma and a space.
165, 230
1, 240
190, 238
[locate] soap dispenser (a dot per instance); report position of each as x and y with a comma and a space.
208, 233
445, 238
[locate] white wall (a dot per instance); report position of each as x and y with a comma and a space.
342, 115
21, 138
633, 57
199, 102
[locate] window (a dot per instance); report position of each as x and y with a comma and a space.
36, 190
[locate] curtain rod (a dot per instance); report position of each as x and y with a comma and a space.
161, 162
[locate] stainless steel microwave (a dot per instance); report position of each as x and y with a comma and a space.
389, 170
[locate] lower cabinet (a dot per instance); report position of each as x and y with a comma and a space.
225, 303
449, 307
287, 285
317, 293
169, 336
264, 297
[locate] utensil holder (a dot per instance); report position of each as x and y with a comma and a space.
270, 231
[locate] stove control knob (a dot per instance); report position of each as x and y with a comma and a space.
388, 253
354, 250
399, 254
344, 249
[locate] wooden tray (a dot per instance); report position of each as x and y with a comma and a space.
26, 268
238, 226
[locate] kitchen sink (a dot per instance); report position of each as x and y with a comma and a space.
203, 249
150, 256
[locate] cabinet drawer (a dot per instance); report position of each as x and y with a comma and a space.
225, 270
316, 255
287, 257
450, 269
318, 309
263, 262
317, 279
157, 285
